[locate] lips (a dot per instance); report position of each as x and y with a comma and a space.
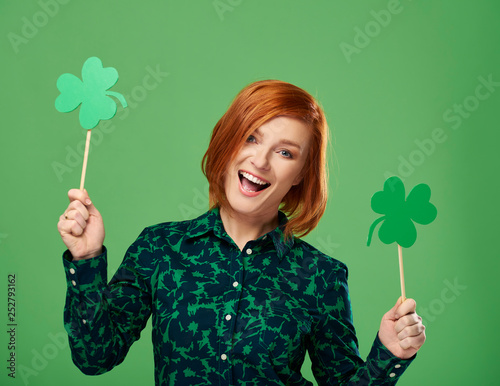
250, 184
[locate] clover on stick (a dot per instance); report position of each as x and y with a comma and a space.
92, 93
399, 215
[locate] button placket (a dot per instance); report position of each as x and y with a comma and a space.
72, 272
393, 374
231, 305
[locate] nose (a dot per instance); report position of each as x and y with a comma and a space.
260, 159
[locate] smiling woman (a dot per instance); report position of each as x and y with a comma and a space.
303, 130
261, 174
235, 295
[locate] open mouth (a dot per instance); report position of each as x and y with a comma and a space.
251, 183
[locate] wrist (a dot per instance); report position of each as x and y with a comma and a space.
89, 255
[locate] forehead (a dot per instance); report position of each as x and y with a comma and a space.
285, 130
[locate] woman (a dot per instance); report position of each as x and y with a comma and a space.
235, 295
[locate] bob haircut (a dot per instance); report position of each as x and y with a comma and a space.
256, 104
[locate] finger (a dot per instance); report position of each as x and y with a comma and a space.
409, 331
408, 306
70, 227
60, 224
75, 215
84, 198
407, 320
75, 229
79, 207
90, 206
80, 195
413, 342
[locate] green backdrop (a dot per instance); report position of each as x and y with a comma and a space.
410, 88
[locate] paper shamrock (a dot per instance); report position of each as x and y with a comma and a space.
399, 215
92, 94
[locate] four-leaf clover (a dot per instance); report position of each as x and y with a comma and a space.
91, 92
399, 214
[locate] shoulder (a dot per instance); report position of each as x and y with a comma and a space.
327, 288
325, 265
173, 232
160, 242
169, 228
170, 232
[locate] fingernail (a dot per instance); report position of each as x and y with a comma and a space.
88, 202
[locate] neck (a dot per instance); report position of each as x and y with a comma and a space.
242, 228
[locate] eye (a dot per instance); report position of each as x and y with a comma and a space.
251, 138
286, 153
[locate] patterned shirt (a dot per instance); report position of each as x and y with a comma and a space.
221, 316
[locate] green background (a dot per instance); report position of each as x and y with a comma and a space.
384, 99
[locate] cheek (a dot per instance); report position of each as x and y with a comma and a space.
294, 174
287, 181
226, 180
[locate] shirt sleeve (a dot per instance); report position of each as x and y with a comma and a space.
333, 346
103, 320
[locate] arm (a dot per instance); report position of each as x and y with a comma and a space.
102, 320
334, 347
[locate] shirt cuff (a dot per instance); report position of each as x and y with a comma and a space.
87, 274
385, 364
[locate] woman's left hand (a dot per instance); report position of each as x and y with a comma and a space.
401, 329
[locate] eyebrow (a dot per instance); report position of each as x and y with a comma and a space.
283, 141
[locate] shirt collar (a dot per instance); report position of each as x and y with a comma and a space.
212, 222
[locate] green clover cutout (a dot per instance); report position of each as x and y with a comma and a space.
91, 92
399, 214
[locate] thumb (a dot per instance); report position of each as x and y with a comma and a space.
391, 314
90, 204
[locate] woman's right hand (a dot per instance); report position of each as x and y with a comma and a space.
81, 226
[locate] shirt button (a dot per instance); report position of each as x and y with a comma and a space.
392, 375
228, 317
73, 282
72, 271
235, 284
223, 357
397, 366
249, 251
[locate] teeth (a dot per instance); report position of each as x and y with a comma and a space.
252, 178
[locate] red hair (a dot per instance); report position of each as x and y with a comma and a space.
256, 104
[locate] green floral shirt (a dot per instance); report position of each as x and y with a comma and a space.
221, 316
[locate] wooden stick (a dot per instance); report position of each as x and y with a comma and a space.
85, 159
401, 272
